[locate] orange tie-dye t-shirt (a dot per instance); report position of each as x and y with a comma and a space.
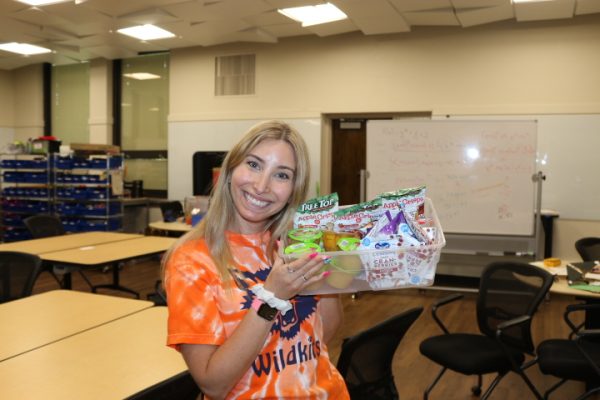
293, 363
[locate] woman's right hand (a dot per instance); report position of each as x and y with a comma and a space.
287, 280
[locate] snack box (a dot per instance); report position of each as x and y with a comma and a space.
384, 269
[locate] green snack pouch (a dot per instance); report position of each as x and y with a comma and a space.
317, 212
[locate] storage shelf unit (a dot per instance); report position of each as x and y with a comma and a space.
88, 192
84, 191
26, 189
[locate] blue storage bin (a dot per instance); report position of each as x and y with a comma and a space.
7, 163
11, 176
67, 209
64, 163
99, 194
79, 162
71, 225
12, 220
64, 192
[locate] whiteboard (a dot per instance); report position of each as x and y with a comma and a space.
478, 173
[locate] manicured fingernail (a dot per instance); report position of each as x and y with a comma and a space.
313, 255
326, 274
327, 259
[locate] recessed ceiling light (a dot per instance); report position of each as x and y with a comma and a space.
36, 3
314, 15
24, 48
142, 76
146, 32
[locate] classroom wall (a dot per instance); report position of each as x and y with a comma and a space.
28, 102
504, 68
509, 68
6, 108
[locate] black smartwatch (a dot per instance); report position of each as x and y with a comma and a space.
264, 310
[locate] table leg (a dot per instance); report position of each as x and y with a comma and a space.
115, 285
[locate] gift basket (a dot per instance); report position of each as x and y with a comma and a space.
393, 241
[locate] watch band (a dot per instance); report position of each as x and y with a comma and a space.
264, 310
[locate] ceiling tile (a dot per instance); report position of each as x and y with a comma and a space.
392, 23
544, 10
479, 3
333, 28
479, 16
417, 5
433, 17
587, 7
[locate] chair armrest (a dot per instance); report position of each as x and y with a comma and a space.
571, 308
587, 334
509, 324
440, 303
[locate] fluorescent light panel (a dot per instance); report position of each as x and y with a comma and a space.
36, 3
24, 48
146, 32
314, 15
141, 76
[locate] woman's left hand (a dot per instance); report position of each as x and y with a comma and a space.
287, 280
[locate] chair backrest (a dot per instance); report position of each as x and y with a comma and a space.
508, 290
44, 225
588, 248
365, 360
18, 272
171, 210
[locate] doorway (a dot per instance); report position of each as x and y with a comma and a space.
348, 157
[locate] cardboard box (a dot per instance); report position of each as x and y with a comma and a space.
91, 148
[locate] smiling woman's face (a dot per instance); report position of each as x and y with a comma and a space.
262, 185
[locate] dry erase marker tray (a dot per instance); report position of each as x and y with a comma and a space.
384, 269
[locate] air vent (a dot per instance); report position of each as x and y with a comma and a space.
235, 75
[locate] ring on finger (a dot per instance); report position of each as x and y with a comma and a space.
290, 270
305, 278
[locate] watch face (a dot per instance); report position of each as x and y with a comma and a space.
267, 312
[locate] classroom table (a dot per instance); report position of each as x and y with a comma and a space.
64, 242
175, 228
560, 285
111, 361
112, 254
38, 320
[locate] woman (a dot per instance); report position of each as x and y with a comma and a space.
234, 313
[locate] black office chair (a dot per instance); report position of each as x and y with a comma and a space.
179, 387
171, 210
577, 359
588, 248
366, 359
44, 225
509, 295
18, 273
47, 225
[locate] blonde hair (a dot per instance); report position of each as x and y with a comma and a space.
221, 212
